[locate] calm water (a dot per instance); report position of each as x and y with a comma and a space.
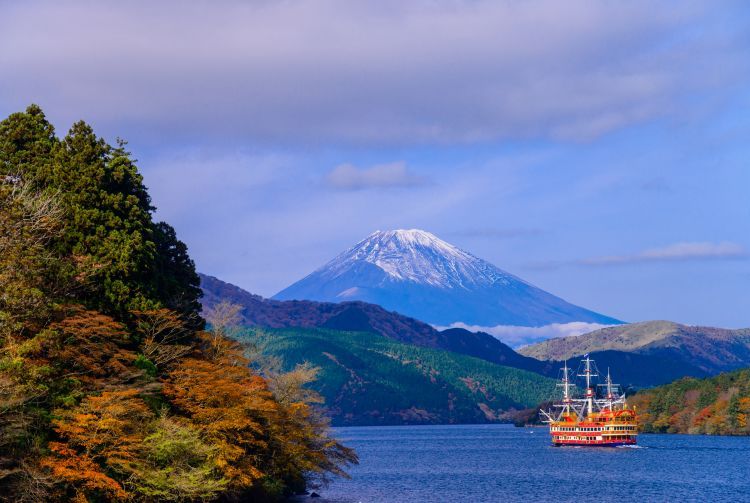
478, 463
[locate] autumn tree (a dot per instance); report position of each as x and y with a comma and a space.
110, 390
271, 438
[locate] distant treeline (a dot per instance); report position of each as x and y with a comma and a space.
110, 387
715, 406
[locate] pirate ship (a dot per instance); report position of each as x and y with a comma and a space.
598, 417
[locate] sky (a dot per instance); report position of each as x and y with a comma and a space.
598, 149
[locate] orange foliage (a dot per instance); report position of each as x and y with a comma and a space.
223, 397
243, 434
88, 346
702, 416
80, 471
103, 431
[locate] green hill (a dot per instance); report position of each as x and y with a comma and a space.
716, 406
367, 379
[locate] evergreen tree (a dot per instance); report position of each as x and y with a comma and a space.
122, 259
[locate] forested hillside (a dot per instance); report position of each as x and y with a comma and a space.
630, 369
716, 406
368, 379
257, 311
110, 389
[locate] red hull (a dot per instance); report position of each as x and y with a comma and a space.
593, 443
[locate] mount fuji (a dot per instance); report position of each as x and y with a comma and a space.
417, 274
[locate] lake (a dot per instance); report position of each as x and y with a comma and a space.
482, 463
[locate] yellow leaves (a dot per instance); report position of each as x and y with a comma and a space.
291, 387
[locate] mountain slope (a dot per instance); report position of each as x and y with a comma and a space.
355, 316
712, 350
368, 379
362, 317
417, 274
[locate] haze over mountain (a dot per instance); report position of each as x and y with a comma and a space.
419, 275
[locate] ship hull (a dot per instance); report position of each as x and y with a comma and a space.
593, 443
605, 429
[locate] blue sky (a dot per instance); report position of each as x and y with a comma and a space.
597, 149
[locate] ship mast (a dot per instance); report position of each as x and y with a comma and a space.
566, 389
590, 419
589, 390
567, 402
610, 396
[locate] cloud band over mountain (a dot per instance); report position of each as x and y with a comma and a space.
704, 250
516, 336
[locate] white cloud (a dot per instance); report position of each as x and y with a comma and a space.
381, 176
675, 252
703, 250
515, 336
366, 72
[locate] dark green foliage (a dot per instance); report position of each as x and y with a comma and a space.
175, 278
121, 259
146, 365
369, 379
27, 143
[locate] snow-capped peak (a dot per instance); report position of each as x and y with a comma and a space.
420, 275
418, 256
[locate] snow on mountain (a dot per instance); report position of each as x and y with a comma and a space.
417, 274
420, 257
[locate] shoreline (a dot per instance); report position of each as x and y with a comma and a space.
531, 426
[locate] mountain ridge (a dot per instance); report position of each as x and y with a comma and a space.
713, 350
